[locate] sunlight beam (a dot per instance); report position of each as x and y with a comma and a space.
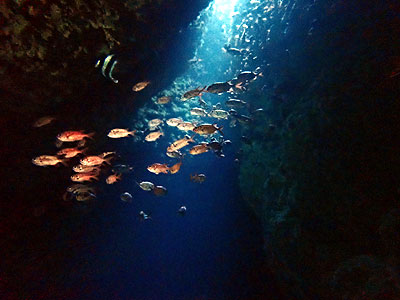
225, 8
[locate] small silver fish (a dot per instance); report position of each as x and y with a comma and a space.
126, 197
146, 185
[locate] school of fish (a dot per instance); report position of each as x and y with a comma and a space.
92, 166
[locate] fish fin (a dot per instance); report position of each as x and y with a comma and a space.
167, 169
64, 162
108, 160
90, 135
65, 196
108, 153
220, 130
95, 178
83, 151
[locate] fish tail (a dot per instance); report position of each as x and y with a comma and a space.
108, 161
107, 153
64, 162
132, 133
95, 178
65, 196
191, 177
220, 130
90, 135
83, 151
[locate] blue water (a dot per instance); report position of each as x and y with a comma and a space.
214, 251
211, 252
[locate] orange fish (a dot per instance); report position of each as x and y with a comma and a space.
96, 160
158, 168
70, 152
206, 129
113, 178
48, 160
120, 133
84, 169
153, 136
44, 121
198, 149
140, 86
175, 168
180, 143
81, 177
72, 136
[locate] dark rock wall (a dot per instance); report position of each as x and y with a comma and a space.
322, 169
49, 48
48, 52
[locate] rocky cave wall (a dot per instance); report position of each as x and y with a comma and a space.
49, 48
321, 170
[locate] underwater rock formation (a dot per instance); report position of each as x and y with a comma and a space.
323, 178
50, 47
365, 277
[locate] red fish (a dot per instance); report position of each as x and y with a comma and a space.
72, 136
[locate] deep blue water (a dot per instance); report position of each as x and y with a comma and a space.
214, 251
105, 251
